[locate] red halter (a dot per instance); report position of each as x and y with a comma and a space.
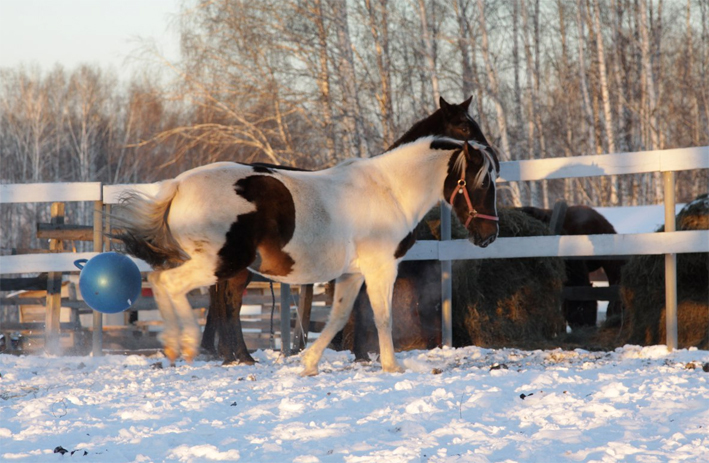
472, 213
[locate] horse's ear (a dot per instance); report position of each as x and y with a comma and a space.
445, 106
495, 159
467, 104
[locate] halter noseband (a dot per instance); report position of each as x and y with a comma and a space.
472, 213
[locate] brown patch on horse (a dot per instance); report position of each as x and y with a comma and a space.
262, 233
404, 245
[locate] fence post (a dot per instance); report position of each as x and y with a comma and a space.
446, 281
285, 319
97, 338
305, 306
52, 322
670, 263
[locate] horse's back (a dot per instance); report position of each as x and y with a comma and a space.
277, 217
206, 203
584, 220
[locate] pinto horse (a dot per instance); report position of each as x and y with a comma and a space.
352, 222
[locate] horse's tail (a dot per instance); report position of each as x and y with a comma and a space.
145, 232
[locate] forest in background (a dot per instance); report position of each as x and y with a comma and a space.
310, 83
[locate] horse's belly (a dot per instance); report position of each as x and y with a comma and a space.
309, 265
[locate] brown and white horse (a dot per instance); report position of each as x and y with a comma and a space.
352, 222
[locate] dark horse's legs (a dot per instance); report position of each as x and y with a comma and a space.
613, 269
579, 313
224, 319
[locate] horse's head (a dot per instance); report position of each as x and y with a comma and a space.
472, 171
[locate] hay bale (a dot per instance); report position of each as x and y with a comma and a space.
643, 289
505, 302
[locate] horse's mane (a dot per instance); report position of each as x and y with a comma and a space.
266, 165
461, 163
431, 125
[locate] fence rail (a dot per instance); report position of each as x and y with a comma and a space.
668, 243
631, 244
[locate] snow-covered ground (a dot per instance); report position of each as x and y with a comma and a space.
451, 405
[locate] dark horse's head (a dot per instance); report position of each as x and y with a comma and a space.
472, 169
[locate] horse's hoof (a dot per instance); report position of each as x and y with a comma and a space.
171, 355
243, 361
189, 354
396, 368
309, 372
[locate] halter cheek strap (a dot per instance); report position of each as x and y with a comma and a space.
472, 213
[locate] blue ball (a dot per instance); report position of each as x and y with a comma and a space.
109, 282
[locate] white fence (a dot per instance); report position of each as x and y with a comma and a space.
668, 243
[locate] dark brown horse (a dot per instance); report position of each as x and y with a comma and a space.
584, 220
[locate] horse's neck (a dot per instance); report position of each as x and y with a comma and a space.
416, 175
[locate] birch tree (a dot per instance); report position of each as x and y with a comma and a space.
608, 116
494, 91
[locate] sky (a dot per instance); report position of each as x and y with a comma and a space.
73, 32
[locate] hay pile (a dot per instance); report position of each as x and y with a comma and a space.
643, 289
505, 302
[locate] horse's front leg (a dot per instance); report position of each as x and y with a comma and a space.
346, 289
380, 288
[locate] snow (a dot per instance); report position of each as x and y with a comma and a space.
451, 405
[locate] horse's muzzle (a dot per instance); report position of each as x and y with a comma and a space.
480, 242
484, 235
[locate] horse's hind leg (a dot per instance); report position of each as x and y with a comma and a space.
176, 283
216, 314
346, 289
171, 327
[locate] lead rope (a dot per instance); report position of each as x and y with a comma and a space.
271, 341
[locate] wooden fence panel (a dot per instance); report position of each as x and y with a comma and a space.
50, 192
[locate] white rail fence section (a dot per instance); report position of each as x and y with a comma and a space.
670, 243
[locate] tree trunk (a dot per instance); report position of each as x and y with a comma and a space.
564, 78
324, 81
493, 89
608, 116
351, 104
651, 108
530, 102
587, 106
378, 26
429, 53
464, 48
622, 112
